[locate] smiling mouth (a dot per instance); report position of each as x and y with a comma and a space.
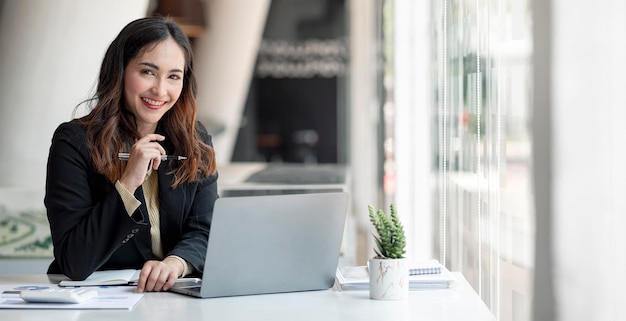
151, 102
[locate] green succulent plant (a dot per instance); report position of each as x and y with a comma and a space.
390, 241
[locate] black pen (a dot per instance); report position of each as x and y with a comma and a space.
125, 156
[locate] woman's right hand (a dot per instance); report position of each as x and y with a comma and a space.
145, 152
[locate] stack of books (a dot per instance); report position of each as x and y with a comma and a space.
423, 276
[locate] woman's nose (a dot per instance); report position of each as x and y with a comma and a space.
159, 88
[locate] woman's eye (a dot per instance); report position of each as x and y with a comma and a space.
175, 77
147, 72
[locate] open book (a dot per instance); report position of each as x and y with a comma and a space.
357, 277
109, 277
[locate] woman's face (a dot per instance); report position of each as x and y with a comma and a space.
153, 82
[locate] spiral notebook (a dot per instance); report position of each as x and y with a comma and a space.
433, 276
428, 267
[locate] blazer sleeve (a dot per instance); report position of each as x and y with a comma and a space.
88, 221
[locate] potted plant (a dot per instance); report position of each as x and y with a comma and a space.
388, 270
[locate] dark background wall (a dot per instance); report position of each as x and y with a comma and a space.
295, 110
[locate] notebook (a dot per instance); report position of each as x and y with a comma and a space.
429, 267
109, 277
426, 275
271, 244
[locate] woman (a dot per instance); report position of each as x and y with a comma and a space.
112, 212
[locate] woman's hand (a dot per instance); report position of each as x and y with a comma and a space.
145, 150
158, 276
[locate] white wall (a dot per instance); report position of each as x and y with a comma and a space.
50, 59
582, 257
589, 158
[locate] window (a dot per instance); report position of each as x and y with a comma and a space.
469, 62
482, 148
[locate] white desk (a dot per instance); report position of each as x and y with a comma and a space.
460, 303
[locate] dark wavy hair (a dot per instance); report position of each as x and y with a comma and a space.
110, 128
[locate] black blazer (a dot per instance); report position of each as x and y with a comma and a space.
90, 227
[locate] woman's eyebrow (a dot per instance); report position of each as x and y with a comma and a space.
149, 64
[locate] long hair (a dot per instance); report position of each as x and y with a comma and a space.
110, 128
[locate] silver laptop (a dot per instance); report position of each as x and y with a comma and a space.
271, 244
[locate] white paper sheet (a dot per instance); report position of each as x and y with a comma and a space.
109, 298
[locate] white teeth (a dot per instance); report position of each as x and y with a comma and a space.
153, 102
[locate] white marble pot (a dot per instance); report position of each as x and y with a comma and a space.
389, 279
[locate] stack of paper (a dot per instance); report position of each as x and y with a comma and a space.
109, 277
109, 298
357, 277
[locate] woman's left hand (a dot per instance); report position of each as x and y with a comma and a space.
158, 276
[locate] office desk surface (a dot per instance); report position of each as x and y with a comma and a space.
459, 303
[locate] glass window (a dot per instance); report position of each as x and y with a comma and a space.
484, 215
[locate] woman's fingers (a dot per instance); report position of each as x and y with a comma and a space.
144, 153
156, 276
